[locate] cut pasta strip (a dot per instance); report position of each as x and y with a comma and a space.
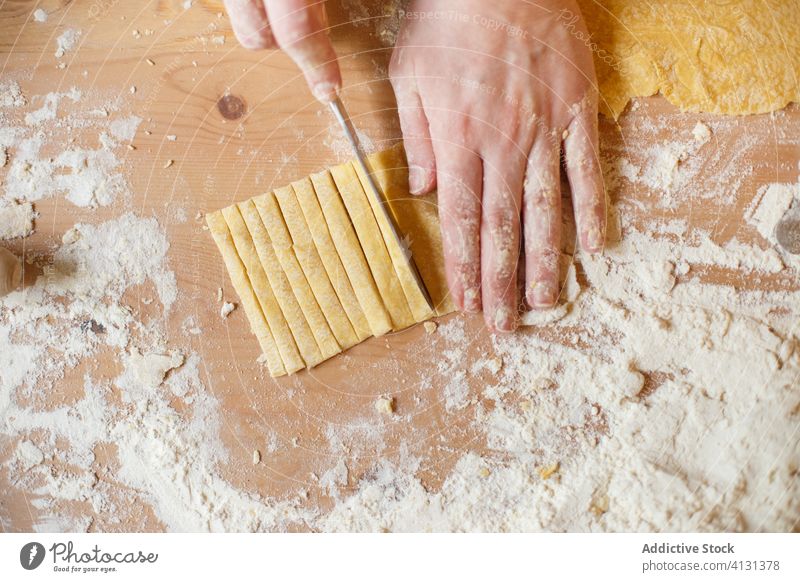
289, 306
314, 270
369, 235
350, 252
270, 213
222, 237
387, 177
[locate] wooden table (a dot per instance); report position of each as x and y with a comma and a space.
245, 123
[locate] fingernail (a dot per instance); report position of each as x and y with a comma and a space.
542, 296
325, 92
504, 319
472, 300
416, 179
594, 240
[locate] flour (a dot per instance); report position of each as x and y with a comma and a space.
16, 220
382, 17
11, 95
671, 169
102, 261
124, 129
87, 176
769, 206
67, 41
47, 112
40, 15
680, 456
164, 457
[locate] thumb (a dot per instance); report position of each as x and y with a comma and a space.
299, 28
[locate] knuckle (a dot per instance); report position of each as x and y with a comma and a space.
545, 260
541, 200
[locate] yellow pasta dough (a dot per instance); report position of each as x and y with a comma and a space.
733, 57
318, 271
263, 291
351, 253
381, 168
222, 237
314, 270
337, 275
418, 220
270, 214
369, 234
289, 306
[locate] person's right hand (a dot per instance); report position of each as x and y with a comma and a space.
297, 27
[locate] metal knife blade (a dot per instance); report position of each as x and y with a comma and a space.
339, 111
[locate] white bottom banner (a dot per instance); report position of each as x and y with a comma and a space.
383, 557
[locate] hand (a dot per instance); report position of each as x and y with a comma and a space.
488, 94
296, 26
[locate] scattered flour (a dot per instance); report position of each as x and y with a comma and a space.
40, 15
88, 177
16, 220
770, 204
11, 95
164, 458
67, 41
49, 109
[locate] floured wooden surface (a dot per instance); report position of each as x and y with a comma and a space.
660, 401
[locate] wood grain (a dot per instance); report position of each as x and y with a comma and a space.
282, 136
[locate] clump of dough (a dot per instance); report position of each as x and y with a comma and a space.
227, 309
385, 405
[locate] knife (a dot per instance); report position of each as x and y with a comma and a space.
337, 107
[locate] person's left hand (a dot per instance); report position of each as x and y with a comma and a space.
488, 94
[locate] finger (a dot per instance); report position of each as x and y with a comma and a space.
250, 24
299, 29
459, 175
500, 240
586, 177
416, 136
541, 217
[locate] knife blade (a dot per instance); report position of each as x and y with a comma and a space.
341, 115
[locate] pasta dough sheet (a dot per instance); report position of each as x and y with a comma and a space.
317, 269
420, 310
262, 289
417, 219
734, 57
